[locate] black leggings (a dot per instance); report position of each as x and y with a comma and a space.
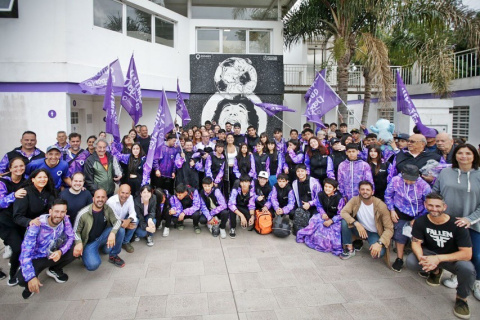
223, 215
195, 217
13, 236
233, 216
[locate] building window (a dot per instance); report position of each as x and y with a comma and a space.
208, 41
461, 121
233, 41
164, 32
178, 6
386, 113
139, 24
74, 117
234, 13
108, 14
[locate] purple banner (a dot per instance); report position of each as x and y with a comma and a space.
163, 124
98, 83
271, 109
109, 106
406, 106
132, 93
322, 72
321, 100
181, 108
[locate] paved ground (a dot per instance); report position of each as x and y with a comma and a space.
189, 276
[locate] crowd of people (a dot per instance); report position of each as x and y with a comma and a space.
335, 188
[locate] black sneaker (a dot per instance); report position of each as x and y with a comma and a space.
26, 294
2, 275
58, 275
434, 279
347, 254
423, 274
461, 309
117, 261
232, 233
397, 265
12, 282
357, 245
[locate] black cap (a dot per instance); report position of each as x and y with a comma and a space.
410, 172
334, 140
355, 131
402, 136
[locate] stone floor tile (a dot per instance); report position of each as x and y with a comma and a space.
255, 300
195, 304
276, 279
12, 311
307, 276
52, 291
215, 283
91, 289
237, 252
215, 267
352, 291
401, 308
272, 264
244, 281
44, 310
194, 268
262, 315
189, 284
158, 269
321, 294
155, 286
289, 297
367, 310
130, 270
243, 265
151, 307
332, 312
435, 306
162, 255
116, 308
123, 288
80, 309
294, 262
221, 303
188, 255
378, 288
232, 316
263, 251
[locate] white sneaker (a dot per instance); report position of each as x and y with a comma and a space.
223, 233
451, 282
149, 241
209, 226
166, 232
476, 289
7, 253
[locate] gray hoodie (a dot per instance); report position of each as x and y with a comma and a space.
461, 191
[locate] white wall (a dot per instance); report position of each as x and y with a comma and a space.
29, 111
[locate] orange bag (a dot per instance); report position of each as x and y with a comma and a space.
263, 222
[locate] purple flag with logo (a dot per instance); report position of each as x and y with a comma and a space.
323, 72
321, 100
181, 108
163, 124
406, 106
98, 83
109, 106
271, 109
132, 93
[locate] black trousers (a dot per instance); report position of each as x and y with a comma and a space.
233, 216
195, 217
41, 264
222, 215
162, 182
164, 216
12, 235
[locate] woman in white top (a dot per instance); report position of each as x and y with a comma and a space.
231, 152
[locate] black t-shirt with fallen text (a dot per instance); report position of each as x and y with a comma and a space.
99, 224
443, 238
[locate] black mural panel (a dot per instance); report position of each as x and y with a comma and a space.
225, 88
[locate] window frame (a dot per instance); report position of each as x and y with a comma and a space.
247, 40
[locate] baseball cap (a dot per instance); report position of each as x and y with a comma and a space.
334, 140
410, 172
402, 136
53, 147
355, 131
263, 174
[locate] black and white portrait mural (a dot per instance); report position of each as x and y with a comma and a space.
224, 88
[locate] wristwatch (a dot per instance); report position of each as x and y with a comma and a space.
380, 243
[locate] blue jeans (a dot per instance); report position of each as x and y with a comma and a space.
347, 236
128, 235
143, 233
272, 179
475, 237
91, 257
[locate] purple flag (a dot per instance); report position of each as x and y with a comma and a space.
98, 83
181, 108
109, 106
163, 124
322, 99
271, 109
132, 93
406, 106
323, 72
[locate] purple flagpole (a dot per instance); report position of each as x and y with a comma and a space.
109, 106
181, 108
406, 106
163, 124
132, 93
98, 83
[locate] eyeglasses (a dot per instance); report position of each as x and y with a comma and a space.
414, 141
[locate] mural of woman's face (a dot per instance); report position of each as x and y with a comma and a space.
234, 113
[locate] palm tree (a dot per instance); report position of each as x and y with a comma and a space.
344, 21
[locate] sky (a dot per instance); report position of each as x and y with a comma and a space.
474, 4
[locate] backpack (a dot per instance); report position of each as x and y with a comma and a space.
263, 222
281, 226
301, 218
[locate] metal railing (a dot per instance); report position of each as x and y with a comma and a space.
466, 64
